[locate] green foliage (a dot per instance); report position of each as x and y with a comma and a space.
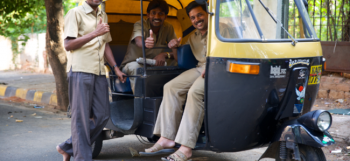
18, 18
330, 18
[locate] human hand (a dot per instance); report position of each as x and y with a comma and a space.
174, 43
149, 42
120, 74
160, 59
101, 28
203, 73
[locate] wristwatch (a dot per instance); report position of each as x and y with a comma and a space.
169, 56
115, 66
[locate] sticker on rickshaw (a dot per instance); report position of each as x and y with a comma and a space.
315, 74
298, 108
300, 92
326, 139
301, 74
277, 72
298, 61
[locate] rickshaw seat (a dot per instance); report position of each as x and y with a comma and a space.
185, 57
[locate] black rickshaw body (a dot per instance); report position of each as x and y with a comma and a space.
259, 89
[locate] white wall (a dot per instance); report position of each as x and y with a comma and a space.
5, 54
31, 58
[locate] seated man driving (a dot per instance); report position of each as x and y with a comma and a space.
157, 34
175, 125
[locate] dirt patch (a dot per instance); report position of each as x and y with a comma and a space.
344, 155
13, 99
329, 104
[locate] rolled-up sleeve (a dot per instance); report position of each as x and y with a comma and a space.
71, 24
136, 31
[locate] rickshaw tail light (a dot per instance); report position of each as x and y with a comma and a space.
244, 68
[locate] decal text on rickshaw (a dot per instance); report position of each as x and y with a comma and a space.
315, 74
277, 72
298, 61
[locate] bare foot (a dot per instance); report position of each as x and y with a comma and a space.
66, 156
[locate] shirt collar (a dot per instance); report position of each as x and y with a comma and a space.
198, 33
88, 9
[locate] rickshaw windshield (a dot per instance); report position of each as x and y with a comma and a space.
262, 20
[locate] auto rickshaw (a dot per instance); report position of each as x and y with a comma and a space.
260, 84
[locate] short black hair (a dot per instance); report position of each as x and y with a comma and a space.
158, 4
194, 4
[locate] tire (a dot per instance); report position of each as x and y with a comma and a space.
307, 153
97, 146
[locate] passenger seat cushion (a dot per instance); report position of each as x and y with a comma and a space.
185, 57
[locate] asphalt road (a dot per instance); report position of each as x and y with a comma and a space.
35, 138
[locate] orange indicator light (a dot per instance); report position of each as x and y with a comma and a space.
244, 68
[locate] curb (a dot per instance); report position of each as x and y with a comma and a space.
30, 95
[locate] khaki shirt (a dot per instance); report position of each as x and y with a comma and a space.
89, 58
198, 43
166, 33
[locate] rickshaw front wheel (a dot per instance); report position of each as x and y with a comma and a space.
97, 146
307, 153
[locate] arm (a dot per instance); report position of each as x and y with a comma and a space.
174, 54
149, 42
110, 59
138, 41
76, 43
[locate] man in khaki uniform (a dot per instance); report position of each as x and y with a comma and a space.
157, 34
171, 125
86, 37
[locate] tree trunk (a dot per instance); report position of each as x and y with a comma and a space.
56, 51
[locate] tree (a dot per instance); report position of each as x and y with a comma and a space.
56, 51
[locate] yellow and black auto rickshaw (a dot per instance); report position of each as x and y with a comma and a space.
260, 84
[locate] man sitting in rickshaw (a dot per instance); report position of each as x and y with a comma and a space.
171, 125
157, 33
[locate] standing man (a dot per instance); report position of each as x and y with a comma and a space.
173, 124
157, 33
86, 37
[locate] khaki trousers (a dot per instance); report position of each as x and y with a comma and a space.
169, 123
130, 69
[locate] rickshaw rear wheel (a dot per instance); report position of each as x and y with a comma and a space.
307, 153
97, 146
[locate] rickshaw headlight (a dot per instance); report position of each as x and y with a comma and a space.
324, 121
319, 120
